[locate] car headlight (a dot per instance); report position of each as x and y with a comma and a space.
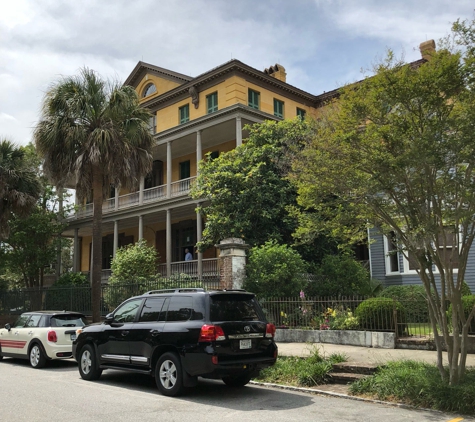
78, 331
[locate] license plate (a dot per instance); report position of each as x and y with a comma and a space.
73, 337
245, 344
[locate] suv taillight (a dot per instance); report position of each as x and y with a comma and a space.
270, 330
52, 336
211, 333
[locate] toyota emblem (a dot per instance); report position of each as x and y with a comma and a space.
247, 328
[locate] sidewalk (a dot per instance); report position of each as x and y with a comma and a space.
364, 354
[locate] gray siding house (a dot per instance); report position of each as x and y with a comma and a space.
393, 269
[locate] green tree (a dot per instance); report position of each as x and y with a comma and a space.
19, 185
248, 194
33, 244
94, 133
275, 271
398, 151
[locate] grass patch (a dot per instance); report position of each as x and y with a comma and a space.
301, 372
418, 384
418, 329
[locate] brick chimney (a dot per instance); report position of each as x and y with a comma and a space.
427, 48
277, 71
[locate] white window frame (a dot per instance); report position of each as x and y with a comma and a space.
387, 258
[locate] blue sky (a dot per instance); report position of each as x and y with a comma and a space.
322, 44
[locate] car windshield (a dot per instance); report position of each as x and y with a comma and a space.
68, 321
235, 308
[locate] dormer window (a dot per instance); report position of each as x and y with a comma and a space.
149, 90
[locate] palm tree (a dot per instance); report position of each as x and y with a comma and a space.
19, 184
93, 133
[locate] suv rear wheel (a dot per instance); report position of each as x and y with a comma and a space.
169, 374
87, 364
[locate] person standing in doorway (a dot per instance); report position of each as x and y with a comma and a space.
188, 255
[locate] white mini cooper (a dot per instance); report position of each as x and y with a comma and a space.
41, 336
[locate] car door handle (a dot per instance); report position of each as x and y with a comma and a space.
155, 333
124, 333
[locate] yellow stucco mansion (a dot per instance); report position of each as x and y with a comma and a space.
192, 116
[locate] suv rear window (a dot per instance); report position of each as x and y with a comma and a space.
68, 321
235, 308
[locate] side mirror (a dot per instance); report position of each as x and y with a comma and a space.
109, 318
8, 327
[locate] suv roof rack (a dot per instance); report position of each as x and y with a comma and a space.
176, 290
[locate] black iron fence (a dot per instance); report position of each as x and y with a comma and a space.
349, 313
78, 298
406, 318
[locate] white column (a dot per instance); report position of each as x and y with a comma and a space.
76, 251
169, 169
169, 243
116, 237
238, 131
140, 227
199, 231
199, 151
142, 184
116, 199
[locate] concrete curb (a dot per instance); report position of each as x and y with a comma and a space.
342, 396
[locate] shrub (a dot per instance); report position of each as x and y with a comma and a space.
71, 279
378, 314
468, 302
275, 271
339, 275
134, 263
413, 298
465, 290
418, 384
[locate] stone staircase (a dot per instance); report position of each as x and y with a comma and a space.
348, 372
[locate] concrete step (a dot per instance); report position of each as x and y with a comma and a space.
345, 377
355, 368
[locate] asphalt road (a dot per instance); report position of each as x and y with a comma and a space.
57, 393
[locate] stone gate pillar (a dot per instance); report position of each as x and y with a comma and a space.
232, 263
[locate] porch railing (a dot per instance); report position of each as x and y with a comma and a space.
155, 194
210, 268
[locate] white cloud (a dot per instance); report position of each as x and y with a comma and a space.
321, 43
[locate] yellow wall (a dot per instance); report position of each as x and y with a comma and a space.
233, 90
163, 85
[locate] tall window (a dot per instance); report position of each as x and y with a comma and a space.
152, 124
301, 113
184, 113
253, 97
185, 169
392, 255
212, 102
448, 247
278, 108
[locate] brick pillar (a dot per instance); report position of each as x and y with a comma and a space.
232, 263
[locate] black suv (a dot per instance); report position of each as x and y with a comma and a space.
177, 335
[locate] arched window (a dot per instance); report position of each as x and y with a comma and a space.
149, 90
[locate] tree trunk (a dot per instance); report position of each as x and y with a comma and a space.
96, 243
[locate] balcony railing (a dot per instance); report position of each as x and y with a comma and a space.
210, 268
155, 194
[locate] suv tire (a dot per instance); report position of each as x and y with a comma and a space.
169, 374
237, 380
88, 364
37, 356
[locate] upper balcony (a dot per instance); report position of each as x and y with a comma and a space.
145, 196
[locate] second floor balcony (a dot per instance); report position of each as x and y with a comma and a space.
156, 194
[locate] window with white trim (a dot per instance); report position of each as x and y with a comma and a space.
391, 254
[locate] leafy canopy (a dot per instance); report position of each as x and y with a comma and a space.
398, 151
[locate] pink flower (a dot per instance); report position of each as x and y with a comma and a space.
302, 294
